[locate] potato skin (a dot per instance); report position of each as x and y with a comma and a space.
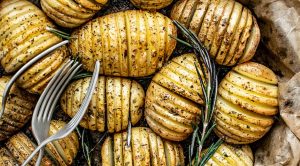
233, 155
113, 100
19, 107
172, 99
151, 4
24, 36
71, 13
226, 28
63, 153
246, 103
129, 43
146, 149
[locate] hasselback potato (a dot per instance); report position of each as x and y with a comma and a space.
61, 152
232, 155
227, 29
146, 149
129, 43
172, 99
246, 103
23, 36
71, 13
19, 107
113, 101
151, 4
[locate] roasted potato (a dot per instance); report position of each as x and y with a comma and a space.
113, 101
23, 36
231, 155
61, 152
146, 149
228, 30
246, 103
172, 99
18, 110
130, 43
151, 4
71, 13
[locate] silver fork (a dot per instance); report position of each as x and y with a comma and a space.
23, 69
68, 128
45, 107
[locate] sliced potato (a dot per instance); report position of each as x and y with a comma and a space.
247, 100
146, 149
225, 27
24, 36
151, 4
71, 13
171, 101
18, 109
113, 101
129, 43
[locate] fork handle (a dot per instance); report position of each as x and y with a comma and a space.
39, 160
44, 143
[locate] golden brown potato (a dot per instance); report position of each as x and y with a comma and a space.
61, 152
71, 13
18, 110
226, 28
113, 101
172, 99
246, 103
151, 4
146, 149
232, 155
129, 43
23, 36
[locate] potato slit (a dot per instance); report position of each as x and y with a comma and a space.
127, 26
119, 44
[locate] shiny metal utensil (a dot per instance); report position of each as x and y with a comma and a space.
68, 128
45, 106
23, 69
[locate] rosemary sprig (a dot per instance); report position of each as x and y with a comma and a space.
209, 85
59, 33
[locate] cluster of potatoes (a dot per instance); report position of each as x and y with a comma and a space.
134, 44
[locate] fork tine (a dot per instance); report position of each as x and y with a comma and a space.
53, 86
59, 89
23, 69
41, 99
